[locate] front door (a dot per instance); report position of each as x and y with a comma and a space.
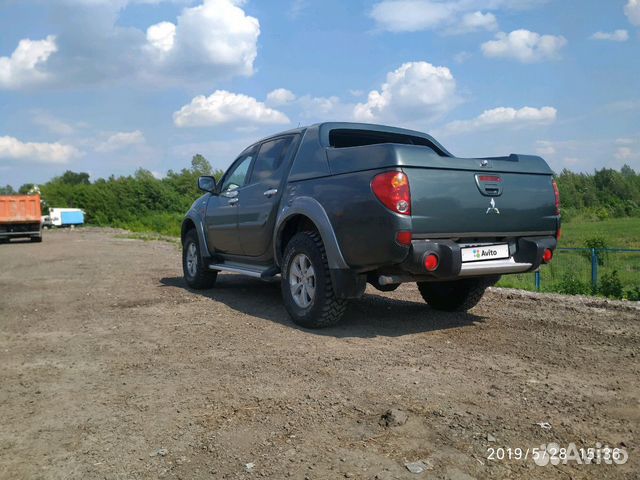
222, 209
258, 201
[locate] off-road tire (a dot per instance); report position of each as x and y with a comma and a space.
326, 309
203, 278
455, 296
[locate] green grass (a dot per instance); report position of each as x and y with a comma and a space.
617, 232
571, 271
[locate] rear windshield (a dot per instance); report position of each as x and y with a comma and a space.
343, 138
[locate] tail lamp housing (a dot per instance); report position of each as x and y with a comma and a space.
547, 256
392, 189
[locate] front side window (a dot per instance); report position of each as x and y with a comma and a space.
237, 176
270, 161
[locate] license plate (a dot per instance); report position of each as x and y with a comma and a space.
485, 252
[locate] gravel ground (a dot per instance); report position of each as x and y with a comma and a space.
110, 368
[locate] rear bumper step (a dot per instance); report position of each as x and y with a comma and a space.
493, 267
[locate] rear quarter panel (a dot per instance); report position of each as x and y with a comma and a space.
364, 228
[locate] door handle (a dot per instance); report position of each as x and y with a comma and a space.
270, 193
233, 201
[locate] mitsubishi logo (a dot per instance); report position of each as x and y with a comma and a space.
492, 208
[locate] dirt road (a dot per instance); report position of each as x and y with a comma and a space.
110, 368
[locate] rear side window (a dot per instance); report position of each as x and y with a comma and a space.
270, 161
344, 138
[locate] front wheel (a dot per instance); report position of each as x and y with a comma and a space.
457, 295
307, 290
195, 271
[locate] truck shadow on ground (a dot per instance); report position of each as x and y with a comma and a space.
370, 316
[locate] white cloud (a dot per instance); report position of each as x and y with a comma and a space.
121, 140
211, 41
455, 16
223, 107
632, 11
505, 116
414, 91
524, 46
53, 153
616, 36
412, 15
280, 96
161, 36
22, 68
217, 33
474, 21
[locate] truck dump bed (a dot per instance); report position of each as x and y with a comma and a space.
20, 209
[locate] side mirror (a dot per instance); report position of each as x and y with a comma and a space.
207, 184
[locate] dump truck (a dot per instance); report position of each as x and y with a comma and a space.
20, 217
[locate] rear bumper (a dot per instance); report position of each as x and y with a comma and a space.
526, 255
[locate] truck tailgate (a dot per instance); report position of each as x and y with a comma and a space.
457, 203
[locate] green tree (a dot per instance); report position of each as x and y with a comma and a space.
7, 190
200, 165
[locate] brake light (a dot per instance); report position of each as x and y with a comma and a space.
556, 192
392, 189
547, 255
489, 178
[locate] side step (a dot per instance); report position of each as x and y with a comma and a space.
264, 273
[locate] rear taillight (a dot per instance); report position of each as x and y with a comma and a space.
392, 189
557, 194
547, 256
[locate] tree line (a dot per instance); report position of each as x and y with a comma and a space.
142, 202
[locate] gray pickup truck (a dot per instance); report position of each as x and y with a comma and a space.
333, 206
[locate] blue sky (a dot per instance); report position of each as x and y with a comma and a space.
107, 86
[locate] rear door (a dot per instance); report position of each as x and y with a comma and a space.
258, 201
222, 209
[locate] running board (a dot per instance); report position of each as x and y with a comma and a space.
264, 273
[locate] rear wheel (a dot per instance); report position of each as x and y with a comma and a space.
307, 290
455, 296
195, 272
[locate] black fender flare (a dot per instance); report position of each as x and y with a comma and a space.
196, 216
312, 209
